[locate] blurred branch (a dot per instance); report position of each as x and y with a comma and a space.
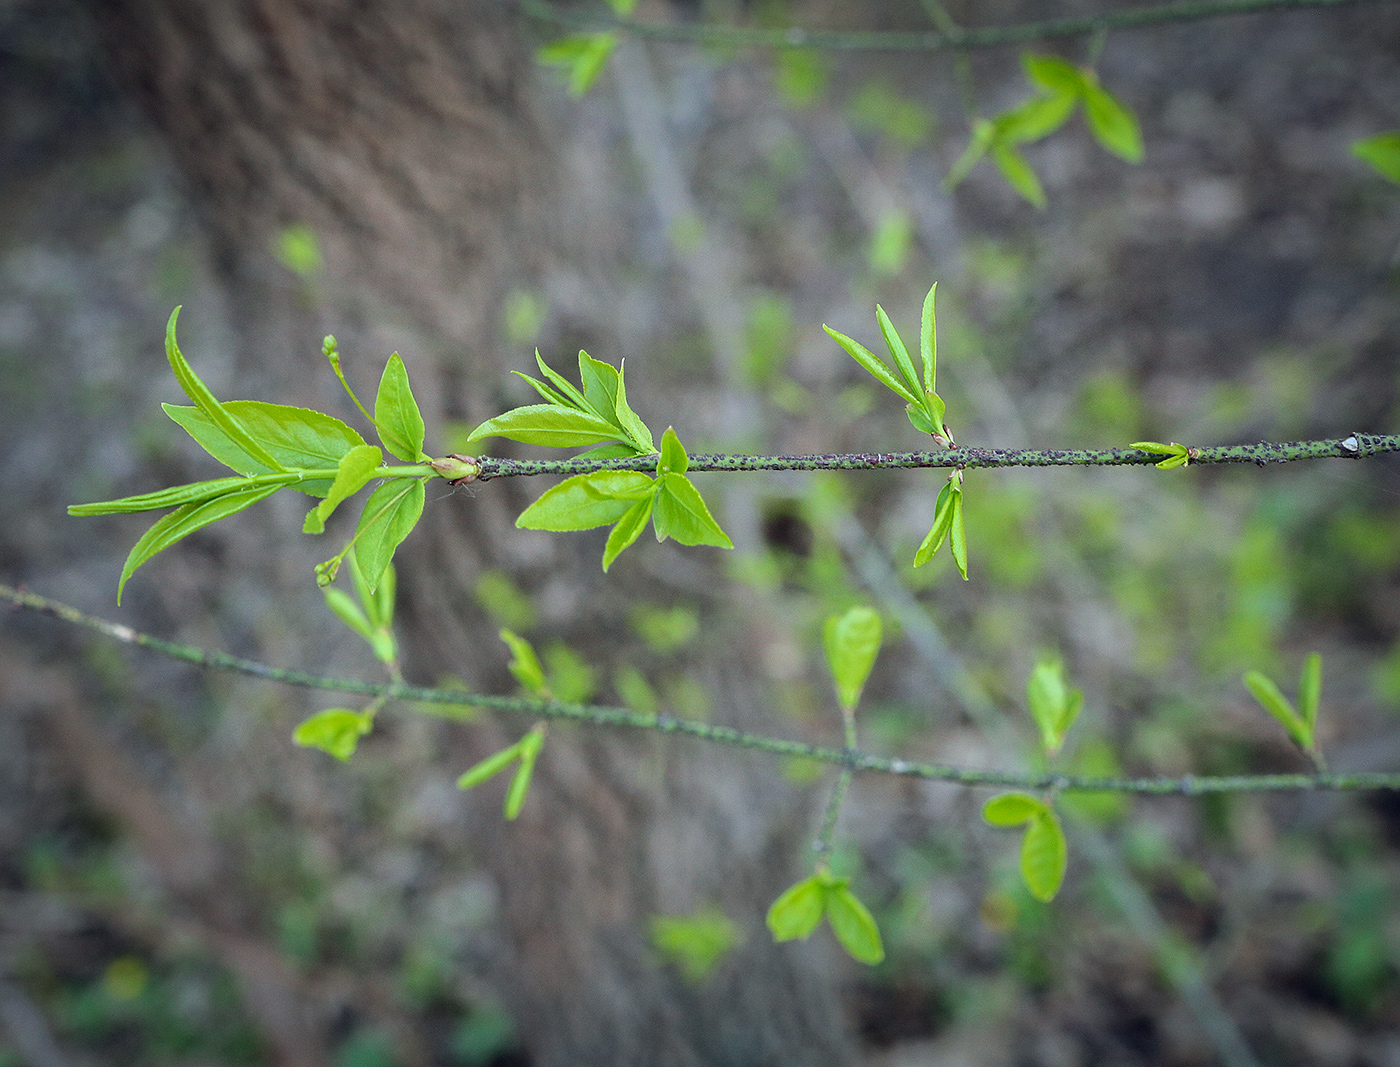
1354, 446
947, 38
454, 703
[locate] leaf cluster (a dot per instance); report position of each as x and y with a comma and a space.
798, 912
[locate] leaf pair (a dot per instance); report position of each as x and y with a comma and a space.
1054, 704
1044, 853
947, 525
924, 406
597, 417
1060, 88
1177, 455
1301, 723
627, 500
799, 911
525, 751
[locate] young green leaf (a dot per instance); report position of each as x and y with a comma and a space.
679, 511
347, 612
798, 911
519, 787
1044, 855
1018, 173
1382, 152
1034, 119
695, 944
673, 458
581, 57
356, 469
638, 436
175, 496
872, 363
1011, 809
586, 500
942, 523
928, 343
627, 530
1276, 704
1310, 692
1053, 74
852, 642
396, 414
984, 134
378, 602
186, 520
489, 767
548, 425
1112, 124
853, 925
525, 664
388, 517
600, 384
957, 535
1177, 455
898, 352
1053, 703
203, 399
566, 388
335, 730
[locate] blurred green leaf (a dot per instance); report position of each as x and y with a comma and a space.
525, 664
695, 943
853, 925
891, 242
1382, 152
1011, 809
1112, 124
1018, 173
1044, 855
488, 768
297, 249
529, 749
798, 911
1053, 74
1053, 703
335, 730
852, 642
581, 57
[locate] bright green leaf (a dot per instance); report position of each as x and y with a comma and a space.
1044, 855
872, 363
1113, 125
898, 351
928, 341
1053, 74
680, 512
1037, 117
957, 536
852, 642
627, 530
347, 612
673, 457
942, 523
1053, 703
529, 747
696, 943
1018, 173
396, 414
489, 767
1011, 809
335, 730
636, 430
356, 469
581, 57
586, 500
194, 493
798, 911
548, 425
378, 601
1276, 704
388, 517
853, 925
1382, 152
1310, 691
186, 520
525, 664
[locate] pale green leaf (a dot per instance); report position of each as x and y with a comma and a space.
957, 535
983, 135
175, 496
798, 911
1011, 809
489, 767
586, 500
379, 601
1037, 117
335, 730
581, 57
673, 458
852, 642
1044, 855
550, 426
942, 523
396, 414
388, 517
186, 520
680, 512
854, 926
348, 612
1053, 703
872, 363
356, 469
520, 782
1310, 692
695, 944
1276, 704
1018, 173
1112, 124
1053, 74
525, 664
928, 341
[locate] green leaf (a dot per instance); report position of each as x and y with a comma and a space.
1177, 455
347, 612
525, 664
852, 642
928, 343
1053, 74
193, 493
203, 399
637, 433
378, 602
942, 523
872, 363
1037, 117
673, 457
586, 500
335, 730
680, 512
798, 911
186, 520
213, 440
581, 57
1018, 173
627, 530
356, 469
1011, 809
1044, 855
984, 133
1113, 125
548, 425
1382, 152
696, 943
1310, 692
1276, 704
957, 535
388, 517
853, 925
566, 388
897, 350
489, 767
530, 746
600, 384
396, 414
1053, 703
890, 242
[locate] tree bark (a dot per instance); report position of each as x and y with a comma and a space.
402, 134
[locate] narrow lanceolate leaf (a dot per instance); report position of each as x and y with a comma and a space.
1310, 692
586, 500
389, 516
872, 363
396, 414
551, 396
627, 530
928, 340
186, 520
898, 351
854, 926
489, 767
566, 388
852, 642
347, 612
1018, 173
356, 469
798, 911
335, 730
525, 663
203, 399
520, 782
600, 384
673, 457
1036, 118
1112, 124
957, 536
1276, 704
173, 497
1044, 855
550, 426
629, 420
680, 512
942, 523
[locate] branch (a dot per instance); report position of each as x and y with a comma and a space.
951, 39
1354, 446
452, 703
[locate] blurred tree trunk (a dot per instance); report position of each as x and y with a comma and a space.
401, 133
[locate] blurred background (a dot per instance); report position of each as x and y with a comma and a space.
183, 885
